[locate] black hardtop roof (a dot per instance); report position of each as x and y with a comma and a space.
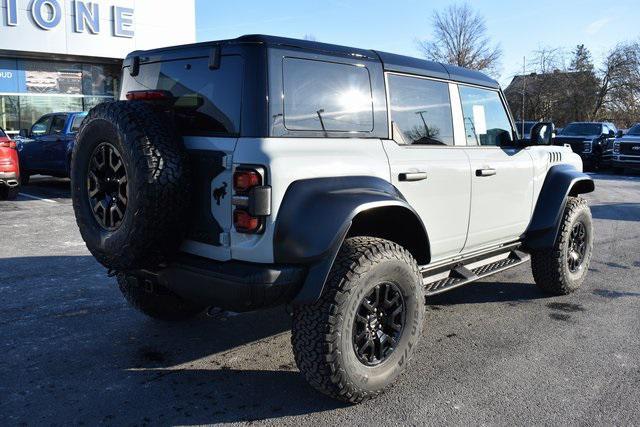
390, 61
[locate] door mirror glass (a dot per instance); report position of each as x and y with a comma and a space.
542, 133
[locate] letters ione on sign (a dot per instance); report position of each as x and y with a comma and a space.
47, 15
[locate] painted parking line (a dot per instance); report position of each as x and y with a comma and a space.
29, 196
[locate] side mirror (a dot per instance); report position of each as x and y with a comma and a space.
24, 133
542, 133
619, 134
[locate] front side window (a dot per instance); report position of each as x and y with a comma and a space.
57, 126
41, 127
421, 110
485, 119
326, 96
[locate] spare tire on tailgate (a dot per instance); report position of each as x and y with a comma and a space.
130, 185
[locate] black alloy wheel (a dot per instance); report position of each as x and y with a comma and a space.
107, 186
577, 247
379, 324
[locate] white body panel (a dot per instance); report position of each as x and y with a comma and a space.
291, 159
442, 200
501, 204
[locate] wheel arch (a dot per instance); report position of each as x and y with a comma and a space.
317, 215
561, 182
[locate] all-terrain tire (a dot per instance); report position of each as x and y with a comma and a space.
9, 193
157, 301
322, 333
157, 185
550, 266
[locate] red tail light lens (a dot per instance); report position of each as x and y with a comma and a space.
8, 144
244, 222
148, 95
245, 180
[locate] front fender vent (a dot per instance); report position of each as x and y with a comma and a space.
555, 157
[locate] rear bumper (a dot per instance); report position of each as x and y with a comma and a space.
231, 285
9, 179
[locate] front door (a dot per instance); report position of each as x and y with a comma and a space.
55, 145
501, 174
426, 166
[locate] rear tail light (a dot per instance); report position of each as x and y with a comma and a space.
245, 179
245, 222
251, 198
149, 95
8, 144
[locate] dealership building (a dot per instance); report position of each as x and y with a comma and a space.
65, 55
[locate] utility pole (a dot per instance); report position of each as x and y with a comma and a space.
524, 87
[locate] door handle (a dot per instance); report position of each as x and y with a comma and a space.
412, 176
485, 172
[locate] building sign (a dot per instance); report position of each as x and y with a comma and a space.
47, 15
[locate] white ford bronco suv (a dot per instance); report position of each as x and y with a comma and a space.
348, 184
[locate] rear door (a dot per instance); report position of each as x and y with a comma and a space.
207, 110
428, 165
501, 174
54, 145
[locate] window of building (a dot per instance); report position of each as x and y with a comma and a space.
326, 96
485, 119
421, 110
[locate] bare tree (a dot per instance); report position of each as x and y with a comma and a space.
460, 38
619, 79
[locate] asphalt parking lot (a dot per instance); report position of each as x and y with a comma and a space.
496, 352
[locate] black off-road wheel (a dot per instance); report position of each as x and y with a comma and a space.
130, 185
156, 301
561, 269
354, 342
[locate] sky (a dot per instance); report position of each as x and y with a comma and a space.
394, 26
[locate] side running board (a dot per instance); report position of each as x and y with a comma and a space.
463, 273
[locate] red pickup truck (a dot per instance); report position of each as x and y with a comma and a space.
9, 169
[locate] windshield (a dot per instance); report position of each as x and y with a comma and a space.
582, 129
635, 131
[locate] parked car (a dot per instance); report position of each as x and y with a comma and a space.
46, 148
592, 141
9, 168
626, 149
344, 182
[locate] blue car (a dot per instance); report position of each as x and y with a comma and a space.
46, 148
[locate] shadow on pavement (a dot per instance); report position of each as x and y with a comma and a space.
487, 292
48, 187
75, 352
617, 211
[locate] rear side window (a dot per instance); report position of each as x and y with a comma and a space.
421, 110
77, 121
485, 119
207, 102
326, 96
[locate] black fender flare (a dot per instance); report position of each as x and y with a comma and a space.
561, 182
315, 217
